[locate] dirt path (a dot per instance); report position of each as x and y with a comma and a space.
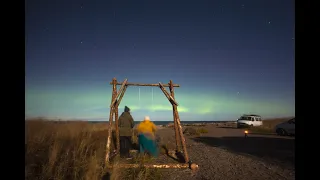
224, 153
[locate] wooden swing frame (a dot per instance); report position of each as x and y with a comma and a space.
114, 114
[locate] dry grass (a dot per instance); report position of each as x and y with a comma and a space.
268, 125
72, 150
76, 150
202, 130
136, 173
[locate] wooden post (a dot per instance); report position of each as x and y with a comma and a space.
175, 111
121, 95
114, 93
165, 92
117, 118
118, 93
176, 130
183, 140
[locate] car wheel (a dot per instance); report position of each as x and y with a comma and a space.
281, 132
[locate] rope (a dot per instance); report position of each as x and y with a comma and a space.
152, 95
139, 99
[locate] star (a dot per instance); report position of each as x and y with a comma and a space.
269, 22
222, 7
242, 6
81, 42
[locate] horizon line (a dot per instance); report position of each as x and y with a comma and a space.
74, 119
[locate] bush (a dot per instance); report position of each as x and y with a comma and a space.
190, 131
202, 130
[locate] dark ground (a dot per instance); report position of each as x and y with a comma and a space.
224, 153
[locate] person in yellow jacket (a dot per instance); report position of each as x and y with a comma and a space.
146, 137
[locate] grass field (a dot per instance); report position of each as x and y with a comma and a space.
64, 150
72, 150
76, 150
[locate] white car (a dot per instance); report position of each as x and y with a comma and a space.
286, 128
249, 120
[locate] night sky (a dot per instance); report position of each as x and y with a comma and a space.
229, 57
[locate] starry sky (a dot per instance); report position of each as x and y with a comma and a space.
229, 57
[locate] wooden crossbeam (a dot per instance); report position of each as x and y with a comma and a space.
165, 92
140, 84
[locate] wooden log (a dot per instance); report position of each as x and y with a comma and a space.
119, 92
141, 84
121, 96
117, 118
165, 92
183, 140
176, 130
160, 166
114, 92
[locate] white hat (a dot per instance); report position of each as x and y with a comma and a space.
147, 118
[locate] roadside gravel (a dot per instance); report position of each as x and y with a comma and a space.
220, 163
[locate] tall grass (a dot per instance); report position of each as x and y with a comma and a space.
268, 125
72, 150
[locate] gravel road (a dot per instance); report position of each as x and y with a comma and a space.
224, 153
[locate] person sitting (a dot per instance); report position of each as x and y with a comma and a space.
126, 123
146, 137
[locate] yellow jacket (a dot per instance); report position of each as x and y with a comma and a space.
146, 126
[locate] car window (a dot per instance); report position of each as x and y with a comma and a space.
245, 118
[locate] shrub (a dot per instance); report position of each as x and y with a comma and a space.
202, 130
190, 131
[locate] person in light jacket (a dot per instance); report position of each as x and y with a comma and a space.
146, 137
